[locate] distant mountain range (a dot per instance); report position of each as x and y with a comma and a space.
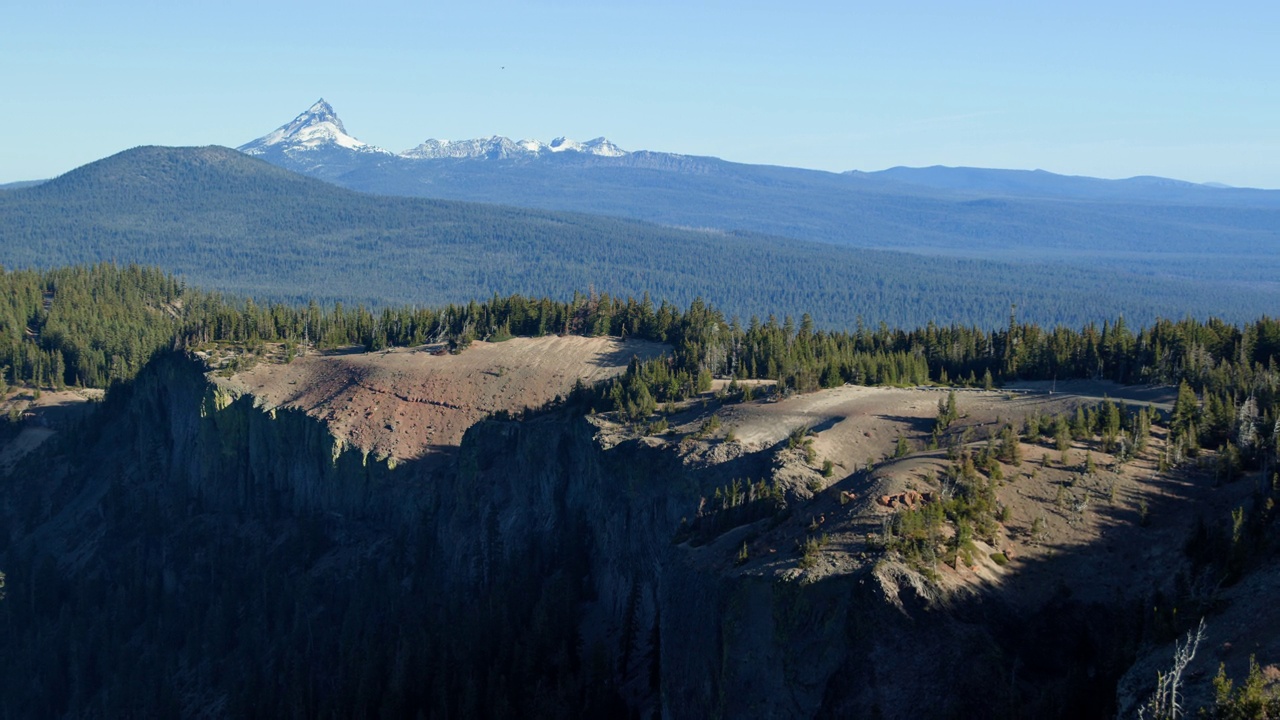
1046, 185
19, 184
309, 139
1156, 226
318, 135
227, 221
750, 239
317, 142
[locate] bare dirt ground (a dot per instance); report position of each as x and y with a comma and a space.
1112, 531
404, 403
857, 429
854, 425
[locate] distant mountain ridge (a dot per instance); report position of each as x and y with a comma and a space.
318, 130
1044, 184
21, 184
498, 147
1151, 226
226, 221
317, 143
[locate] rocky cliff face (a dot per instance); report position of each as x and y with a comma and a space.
549, 565
695, 632
228, 453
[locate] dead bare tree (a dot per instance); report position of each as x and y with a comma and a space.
1165, 703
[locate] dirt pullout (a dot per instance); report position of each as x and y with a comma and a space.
1161, 397
855, 424
405, 403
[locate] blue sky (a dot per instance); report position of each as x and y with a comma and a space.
1176, 89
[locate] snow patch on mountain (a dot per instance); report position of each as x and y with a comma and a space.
562, 144
500, 148
602, 146
493, 147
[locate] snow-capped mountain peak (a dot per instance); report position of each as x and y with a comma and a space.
492, 147
602, 146
317, 128
320, 112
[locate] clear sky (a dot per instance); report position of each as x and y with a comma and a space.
1189, 90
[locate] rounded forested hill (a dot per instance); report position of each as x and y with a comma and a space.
226, 221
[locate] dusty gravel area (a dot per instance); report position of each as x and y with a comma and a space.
407, 402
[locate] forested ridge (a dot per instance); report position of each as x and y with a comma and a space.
224, 221
91, 326
251, 610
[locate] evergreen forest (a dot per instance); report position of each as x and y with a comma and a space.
91, 326
224, 221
